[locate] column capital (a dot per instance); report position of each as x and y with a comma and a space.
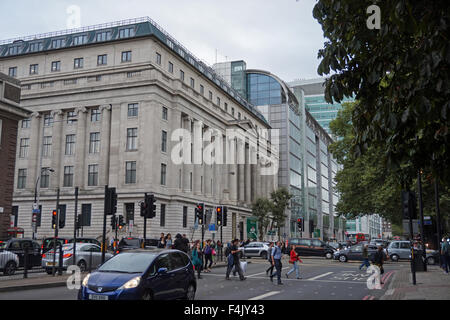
107, 107
55, 113
81, 109
36, 115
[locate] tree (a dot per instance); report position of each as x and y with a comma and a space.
280, 199
400, 76
260, 209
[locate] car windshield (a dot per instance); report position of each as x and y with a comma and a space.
128, 263
130, 242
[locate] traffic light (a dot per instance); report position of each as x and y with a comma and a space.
151, 207
224, 216
409, 205
143, 208
219, 213
62, 219
111, 201
113, 222
300, 224
200, 213
78, 226
54, 219
121, 223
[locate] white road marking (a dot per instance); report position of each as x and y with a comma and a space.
320, 276
266, 295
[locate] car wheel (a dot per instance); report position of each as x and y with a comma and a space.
190, 292
342, 258
148, 295
82, 265
431, 260
329, 255
10, 268
394, 258
263, 255
49, 271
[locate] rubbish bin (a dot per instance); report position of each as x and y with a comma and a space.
419, 261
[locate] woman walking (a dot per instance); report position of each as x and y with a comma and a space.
197, 258
169, 241
208, 256
295, 259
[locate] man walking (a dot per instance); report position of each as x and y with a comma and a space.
445, 254
269, 259
365, 256
233, 260
276, 261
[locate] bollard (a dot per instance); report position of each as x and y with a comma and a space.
25, 262
60, 263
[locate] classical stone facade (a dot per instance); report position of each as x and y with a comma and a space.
111, 122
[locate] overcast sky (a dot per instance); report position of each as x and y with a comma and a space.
280, 36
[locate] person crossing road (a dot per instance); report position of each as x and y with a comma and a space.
233, 260
276, 261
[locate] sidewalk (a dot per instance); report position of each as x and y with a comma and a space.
48, 281
431, 285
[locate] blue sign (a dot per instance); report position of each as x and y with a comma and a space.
212, 227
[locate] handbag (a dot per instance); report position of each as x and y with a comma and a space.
213, 252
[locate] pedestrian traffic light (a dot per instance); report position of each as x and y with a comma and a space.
113, 222
200, 213
143, 209
78, 226
148, 210
62, 219
300, 224
409, 205
224, 216
121, 223
219, 213
54, 219
111, 201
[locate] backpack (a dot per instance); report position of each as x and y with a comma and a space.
208, 250
227, 251
446, 248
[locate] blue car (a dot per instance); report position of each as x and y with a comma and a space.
142, 275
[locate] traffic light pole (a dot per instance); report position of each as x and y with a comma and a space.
104, 225
422, 226
56, 233
75, 227
145, 223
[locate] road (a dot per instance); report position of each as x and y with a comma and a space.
322, 280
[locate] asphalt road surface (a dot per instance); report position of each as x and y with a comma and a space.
321, 280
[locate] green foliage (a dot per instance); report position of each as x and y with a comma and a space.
280, 199
400, 76
260, 209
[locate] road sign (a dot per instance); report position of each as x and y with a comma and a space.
212, 227
130, 225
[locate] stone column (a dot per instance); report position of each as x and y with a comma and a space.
187, 166
35, 150
241, 169
56, 163
80, 148
105, 145
208, 168
198, 158
233, 171
248, 176
224, 191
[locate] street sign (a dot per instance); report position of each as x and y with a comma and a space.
212, 227
130, 225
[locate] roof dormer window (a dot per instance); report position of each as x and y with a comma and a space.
58, 43
126, 33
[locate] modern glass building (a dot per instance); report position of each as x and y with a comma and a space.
306, 167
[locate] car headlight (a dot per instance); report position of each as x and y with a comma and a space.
85, 280
133, 283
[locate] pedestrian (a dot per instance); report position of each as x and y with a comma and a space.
365, 256
276, 260
233, 260
219, 250
445, 254
186, 243
178, 243
294, 259
207, 251
378, 260
162, 241
168, 244
197, 258
269, 258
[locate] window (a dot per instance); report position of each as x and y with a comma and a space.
232, 112
165, 113
34, 69
45, 178
68, 176
163, 174
47, 150
226, 107
71, 115
22, 179
158, 58
162, 220
126, 33
79, 40
182, 75
132, 135
56, 66
95, 115
218, 101
24, 146
190, 181
164, 141
133, 110
170, 67
102, 60
210, 95
94, 142
70, 145
103, 36
130, 174
78, 63
126, 56
12, 72
202, 90
185, 216
192, 83
86, 210
93, 175
26, 123
35, 47
239, 115
58, 43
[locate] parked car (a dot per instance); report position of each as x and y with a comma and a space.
255, 249
354, 253
311, 247
399, 250
142, 275
9, 262
86, 240
18, 247
377, 242
337, 245
432, 256
88, 256
47, 243
129, 244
